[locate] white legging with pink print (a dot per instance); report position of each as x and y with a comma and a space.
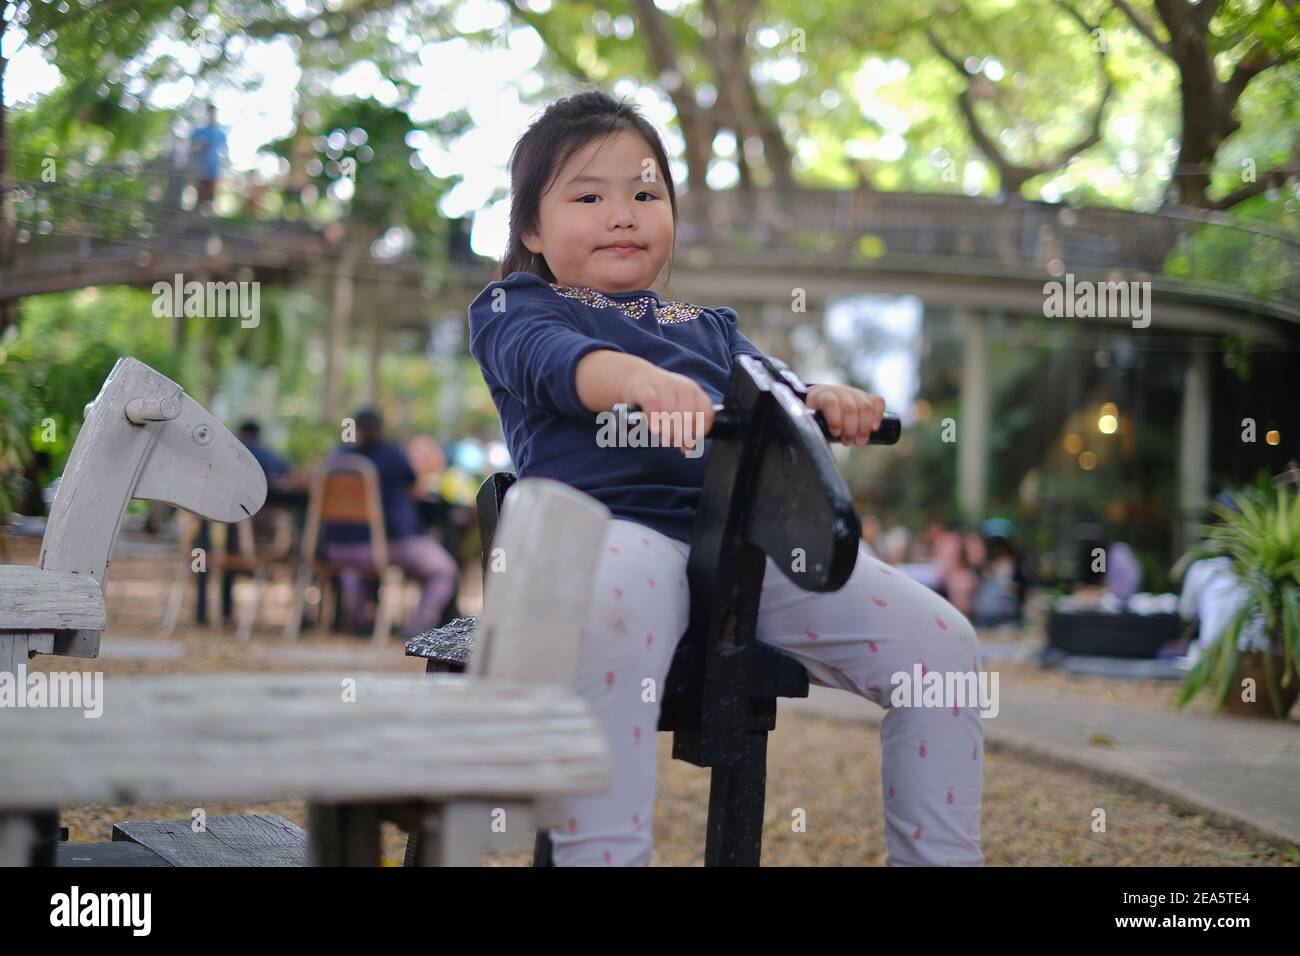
880, 623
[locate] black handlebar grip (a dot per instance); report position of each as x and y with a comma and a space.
890, 430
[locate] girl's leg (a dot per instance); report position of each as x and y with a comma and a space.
639, 611
881, 624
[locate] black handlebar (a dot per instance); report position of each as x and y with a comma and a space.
725, 425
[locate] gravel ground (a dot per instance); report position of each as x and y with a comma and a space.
1033, 814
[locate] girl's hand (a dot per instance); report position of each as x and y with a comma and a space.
658, 391
850, 413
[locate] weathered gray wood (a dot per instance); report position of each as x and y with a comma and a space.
425, 738
143, 437
16, 647
344, 834
106, 854
76, 643
259, 839
451, 643
17, 839
191, 461
532, 617
36, 600
530, 631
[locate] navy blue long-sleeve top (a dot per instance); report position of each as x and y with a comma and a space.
528, 334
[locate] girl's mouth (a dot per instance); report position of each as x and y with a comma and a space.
621, 249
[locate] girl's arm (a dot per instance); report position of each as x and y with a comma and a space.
605, 378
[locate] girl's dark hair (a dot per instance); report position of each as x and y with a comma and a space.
565, 127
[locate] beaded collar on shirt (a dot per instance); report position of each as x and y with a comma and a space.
664, 312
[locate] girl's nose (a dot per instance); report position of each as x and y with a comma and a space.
621, 217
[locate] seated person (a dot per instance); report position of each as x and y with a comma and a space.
275, 467
409, 548
271, 525
1001, 594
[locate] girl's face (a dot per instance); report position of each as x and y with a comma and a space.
606, 221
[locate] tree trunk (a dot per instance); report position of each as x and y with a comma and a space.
8, 210
1204, 123
336, 349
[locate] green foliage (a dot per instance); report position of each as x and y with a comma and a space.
15, 420
67, 345
393, 189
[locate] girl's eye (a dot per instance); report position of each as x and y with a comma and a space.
592, 195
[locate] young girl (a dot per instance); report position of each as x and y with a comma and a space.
573, 329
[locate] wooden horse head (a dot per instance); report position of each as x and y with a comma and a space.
144, 438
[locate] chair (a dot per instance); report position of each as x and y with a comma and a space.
255, 546
346, 489
771, 487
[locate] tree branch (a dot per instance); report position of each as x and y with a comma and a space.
1014, 175
1255, 62
571, 66
263, 29
1144, 28
1206, 12
1273, 177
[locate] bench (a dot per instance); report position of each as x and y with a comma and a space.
770, 487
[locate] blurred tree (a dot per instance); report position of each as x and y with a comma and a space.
1248, 39
978, 84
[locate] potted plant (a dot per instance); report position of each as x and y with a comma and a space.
1261, 538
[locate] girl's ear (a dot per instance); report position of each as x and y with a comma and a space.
532, 241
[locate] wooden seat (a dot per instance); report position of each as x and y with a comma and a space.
258, 839
27, 604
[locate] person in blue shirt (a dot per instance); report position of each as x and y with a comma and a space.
207, 146
275, 467
573, 328
422, 558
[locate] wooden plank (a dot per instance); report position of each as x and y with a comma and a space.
532, 618
260, 839
344, 834
16, 648
121, 853
257, 737
35, 600
18, 838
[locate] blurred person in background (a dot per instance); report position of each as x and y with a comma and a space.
955, 570
1005, 579
428, 460
871, 532
278, 471
207, 147
894, 545
1123, 571
409, 547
